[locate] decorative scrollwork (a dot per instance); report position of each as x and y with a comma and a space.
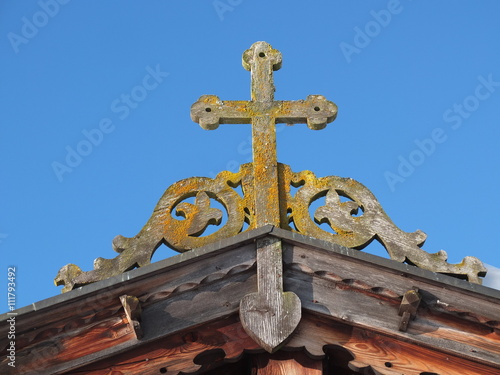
355, 223
176, 223
358, 231
182, 235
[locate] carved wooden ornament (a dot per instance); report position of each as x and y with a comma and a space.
266, 199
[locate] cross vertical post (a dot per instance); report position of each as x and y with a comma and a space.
261, 61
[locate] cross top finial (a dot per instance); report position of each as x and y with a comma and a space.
261, 60
261, 50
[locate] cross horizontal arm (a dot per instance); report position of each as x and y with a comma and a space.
315, 111
209, 111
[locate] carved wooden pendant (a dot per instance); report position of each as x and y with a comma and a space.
271, 315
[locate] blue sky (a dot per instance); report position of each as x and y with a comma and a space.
417, 84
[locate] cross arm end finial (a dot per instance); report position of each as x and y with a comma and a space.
261, 50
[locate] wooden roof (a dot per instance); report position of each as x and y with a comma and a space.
189, 318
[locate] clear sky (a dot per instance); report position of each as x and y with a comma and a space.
417, 84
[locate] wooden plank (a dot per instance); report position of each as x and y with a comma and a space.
362, 308
149, 288
188, 351
181, 312
225, 341
50, 353
188, 275
333, 265
286, 363
197, 306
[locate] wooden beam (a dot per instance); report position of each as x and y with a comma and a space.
133, 310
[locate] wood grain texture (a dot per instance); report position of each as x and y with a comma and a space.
337, 267
361, 307
211, 346
386, 355
270, 315
133, 310
189, 296
46, 356
263, 112
286, 363
188, 352
357, 231
94, 327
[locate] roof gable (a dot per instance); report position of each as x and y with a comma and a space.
196, 291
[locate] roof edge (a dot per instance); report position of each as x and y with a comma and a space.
246, 237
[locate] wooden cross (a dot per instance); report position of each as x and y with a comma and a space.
270, 315
263, 112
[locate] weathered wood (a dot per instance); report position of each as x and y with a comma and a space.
384, 354
370, 352
133, 311
408, 308
385, 280
180, 352
163, 279
343, 291
355, 231
270, 315
176, 353
164, 227
359, 304
259, 206
266, 188
53, 352
286, 363
196, 306
69, 334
